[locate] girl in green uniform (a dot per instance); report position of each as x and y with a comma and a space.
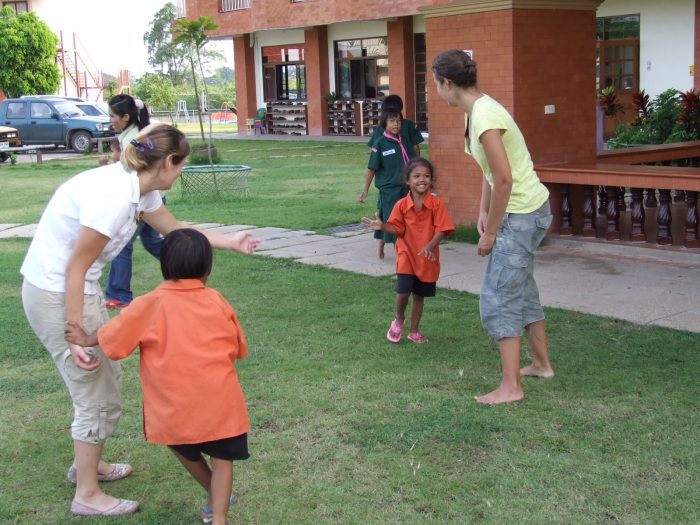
387, 160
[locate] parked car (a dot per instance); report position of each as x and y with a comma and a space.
53, 120
9, 138
94, 109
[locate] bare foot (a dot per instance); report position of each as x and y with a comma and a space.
534, 371
380, 250
500, 395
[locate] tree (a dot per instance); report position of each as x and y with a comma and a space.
193, 33
164, 55
156, 90
27, 55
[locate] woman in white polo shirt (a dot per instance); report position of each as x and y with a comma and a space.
85, 225
514, 216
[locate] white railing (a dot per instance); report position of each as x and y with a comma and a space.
234, 5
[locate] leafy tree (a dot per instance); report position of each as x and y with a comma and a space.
27, 55
156, 90
164, 55
193, 33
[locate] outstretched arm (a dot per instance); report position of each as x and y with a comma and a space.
376, 224
164, 222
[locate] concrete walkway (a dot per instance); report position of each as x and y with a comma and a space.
649, 288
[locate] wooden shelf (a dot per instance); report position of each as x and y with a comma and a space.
287, 118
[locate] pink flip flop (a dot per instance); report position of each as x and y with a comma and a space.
395, 331
417, 338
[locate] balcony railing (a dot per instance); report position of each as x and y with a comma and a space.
234, 5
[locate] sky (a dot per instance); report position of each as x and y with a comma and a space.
112, 41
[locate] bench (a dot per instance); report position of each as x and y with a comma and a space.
613, 179
29, 149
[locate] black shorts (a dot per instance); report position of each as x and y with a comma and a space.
233, 448
407, 283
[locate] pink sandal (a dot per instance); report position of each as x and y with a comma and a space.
395, 332
417, 338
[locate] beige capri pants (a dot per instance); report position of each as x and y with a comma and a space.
95, 393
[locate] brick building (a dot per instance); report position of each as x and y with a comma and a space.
537, 57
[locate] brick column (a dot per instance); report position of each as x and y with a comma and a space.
317, 84
401, 63
696, 55
541, 57
246, 103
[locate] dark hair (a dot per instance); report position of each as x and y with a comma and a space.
417, 162
126, 105
185, 254
388, 113
456, 66
392, 102
153, 144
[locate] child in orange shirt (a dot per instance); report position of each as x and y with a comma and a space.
420, 221
190, 339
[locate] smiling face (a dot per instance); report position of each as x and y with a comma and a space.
420, 180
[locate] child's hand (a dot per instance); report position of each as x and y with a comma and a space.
428, 253
373, 224
103, 160
75, 334
362, 198
243, 242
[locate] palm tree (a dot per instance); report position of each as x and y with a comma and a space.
192, 33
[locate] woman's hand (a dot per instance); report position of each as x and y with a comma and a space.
243, 242
486, 242
481, 223
373, 224
84, 358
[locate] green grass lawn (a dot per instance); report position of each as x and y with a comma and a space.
347, 428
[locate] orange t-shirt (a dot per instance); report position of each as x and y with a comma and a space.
415, 229
190, 338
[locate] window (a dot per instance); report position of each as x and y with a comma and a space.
234, 5
362, 68
617, 63
19, 7
284, 73
16, 110
181, 8
40, 110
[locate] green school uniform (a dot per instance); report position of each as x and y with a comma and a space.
388, 163
410, 135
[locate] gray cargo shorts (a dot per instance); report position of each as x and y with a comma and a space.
509, 299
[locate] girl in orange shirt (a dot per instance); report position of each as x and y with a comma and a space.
189, 338
420, 221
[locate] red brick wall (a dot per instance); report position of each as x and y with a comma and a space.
317, 83
401, 63
696, 57
282, 14
246, 103
526, 59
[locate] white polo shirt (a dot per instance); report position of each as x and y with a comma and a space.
105, 199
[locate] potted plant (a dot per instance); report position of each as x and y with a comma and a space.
610, 108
